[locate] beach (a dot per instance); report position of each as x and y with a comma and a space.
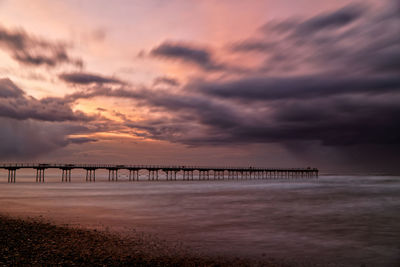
37, 243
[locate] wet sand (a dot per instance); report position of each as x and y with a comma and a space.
33, 241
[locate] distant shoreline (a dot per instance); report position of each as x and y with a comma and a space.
36, 242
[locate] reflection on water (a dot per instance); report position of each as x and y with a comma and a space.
345, 220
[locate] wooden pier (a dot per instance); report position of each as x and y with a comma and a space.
164, 173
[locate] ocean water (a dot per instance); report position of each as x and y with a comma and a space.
340, 220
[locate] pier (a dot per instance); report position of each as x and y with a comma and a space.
164, 173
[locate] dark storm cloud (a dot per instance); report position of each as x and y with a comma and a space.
350, 97
341, 121
29, 50
333, 119
14, 103
333, 122
87, 78
201, 57
271, 88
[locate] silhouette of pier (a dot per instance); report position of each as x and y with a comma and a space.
165, 173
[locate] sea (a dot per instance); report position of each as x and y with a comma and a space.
335, 220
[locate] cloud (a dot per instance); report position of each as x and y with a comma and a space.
32, 127
332, 20
14, 103
188, 53
338, 100
199, 112
299, 110
9, 90
27, 139
81, 140
100, 90
337, 121
327, 21
352, 39
330, 79
87, 78
166, 81
33, 51
253, 45
297, 87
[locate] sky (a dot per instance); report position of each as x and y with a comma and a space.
272, 83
